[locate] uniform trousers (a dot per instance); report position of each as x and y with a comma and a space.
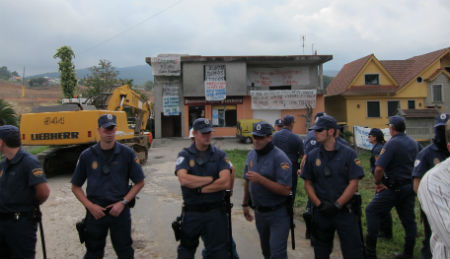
273, 230
17, 237
97, 230
347, 226
212, 227
403, 199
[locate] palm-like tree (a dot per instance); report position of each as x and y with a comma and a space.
7, 114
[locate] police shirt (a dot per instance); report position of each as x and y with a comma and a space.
274, 165
290, 143
397, 157
330, 177
427, 159
375, 154
208, 163
107, 180
17, 178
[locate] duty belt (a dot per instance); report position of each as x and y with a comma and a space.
263, 209
203, 207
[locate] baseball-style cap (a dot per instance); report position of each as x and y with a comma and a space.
191, 133
441, 119
396, 121
318, 115
8, 132
376, 132
288, 120
106, 121
279, 122
203, 125
325, 122
262, 129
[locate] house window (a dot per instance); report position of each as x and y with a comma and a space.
224, 116
393, 107
373, 109
411, 104
372, 79
437, 93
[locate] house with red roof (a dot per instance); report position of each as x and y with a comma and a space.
367, 91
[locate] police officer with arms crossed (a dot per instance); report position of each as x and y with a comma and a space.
204, 174
331, 174
292, 146
23, 187
107, 166
427, 159
268, 178
394, 188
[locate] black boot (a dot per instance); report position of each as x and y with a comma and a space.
371, 248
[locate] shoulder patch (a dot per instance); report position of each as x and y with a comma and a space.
376, 157
318, 162
1, 173
382, 151
436, 160
313, 142
227, 160
94, 165
191, 163
250, 164
180, 160
137, 160
357, 161
416, 163
284, 165
38, 172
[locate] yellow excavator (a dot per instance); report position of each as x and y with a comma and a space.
72, 127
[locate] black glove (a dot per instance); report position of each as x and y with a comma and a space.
327, 208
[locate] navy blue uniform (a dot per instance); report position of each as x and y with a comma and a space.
330, 173
292, 145
427, 158
107, 183
271, 215
17, 202
204, 213
397, 159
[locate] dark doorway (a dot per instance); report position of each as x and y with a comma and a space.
170, 126
195, 112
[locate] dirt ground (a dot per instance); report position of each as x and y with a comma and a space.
158, 204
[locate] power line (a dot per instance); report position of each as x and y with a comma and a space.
132, 27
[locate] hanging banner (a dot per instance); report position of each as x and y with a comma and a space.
283, 99
266, 77
215, 82
170, 98
361, 136
166, 65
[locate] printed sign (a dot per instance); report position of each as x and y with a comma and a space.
283, 99
166, 65
215, 82
266, 77
361, 136
170, 100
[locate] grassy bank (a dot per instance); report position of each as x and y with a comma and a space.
385, 248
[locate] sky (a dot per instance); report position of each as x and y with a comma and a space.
125, 32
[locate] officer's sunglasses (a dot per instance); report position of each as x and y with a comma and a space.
258, 137
319, 130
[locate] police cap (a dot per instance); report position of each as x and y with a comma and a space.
262, 129
106, 121
9, 132
376, 132
288, 120
279, 122
203, 125
396, 121
441, 119
325, 122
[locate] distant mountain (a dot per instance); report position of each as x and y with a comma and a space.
140, 74
331, 73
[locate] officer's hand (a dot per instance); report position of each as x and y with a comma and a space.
327, 208
253, 176
97, 211
380, 187
247, 214
116, 208
299, 171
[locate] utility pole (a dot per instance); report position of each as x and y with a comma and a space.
303, 44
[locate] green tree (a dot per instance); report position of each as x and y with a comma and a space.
149, 85
4, 73
67, 70
102, 79
7, 114
38, 81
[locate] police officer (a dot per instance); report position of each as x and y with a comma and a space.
278, 125
332, 172
23, 187
107, 166
393, 174
268, 179
292, 145
376, 138
204, 174
427, 159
